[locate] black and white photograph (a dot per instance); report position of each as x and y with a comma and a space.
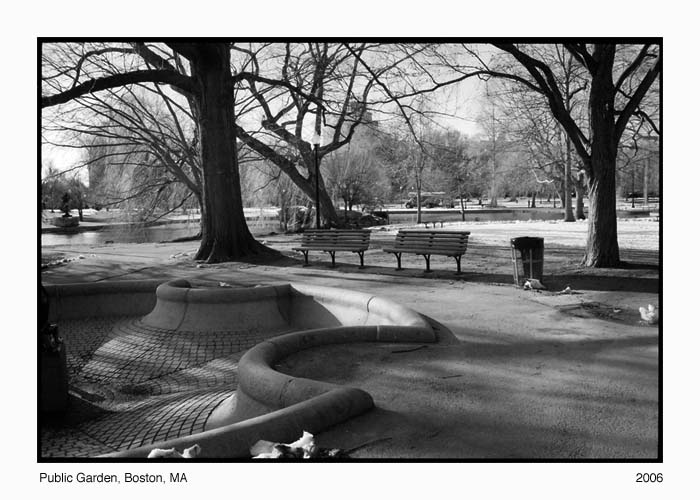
362, 254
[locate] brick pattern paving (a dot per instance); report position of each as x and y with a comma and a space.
156, 419
216, 373
83, 337
133, 385
137, 353
70, 443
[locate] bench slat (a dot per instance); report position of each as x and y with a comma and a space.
335, 232
331, 249
421, 249
318, 244
430, 231
420, 242
334, 242
429, 240
431, 244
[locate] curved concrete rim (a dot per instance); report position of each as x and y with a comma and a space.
193, 291
262, 389
275, 406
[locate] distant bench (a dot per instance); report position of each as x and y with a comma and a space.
427, 243
334, 240
432, 219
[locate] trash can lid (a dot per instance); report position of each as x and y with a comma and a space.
527, 242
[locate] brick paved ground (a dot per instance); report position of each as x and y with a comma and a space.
132, 385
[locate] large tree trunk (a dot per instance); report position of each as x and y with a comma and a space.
225, 234
602, 249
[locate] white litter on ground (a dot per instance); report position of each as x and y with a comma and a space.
190, 452
301, 448
650, 314
534, 284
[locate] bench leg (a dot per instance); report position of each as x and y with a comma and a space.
427, 262
362, 259
458, 258
306, 257
398, 260
332, 252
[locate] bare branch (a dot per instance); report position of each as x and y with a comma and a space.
140, 76
581, 54
633, 66
636, 98
548, 85
153, 59
388, 92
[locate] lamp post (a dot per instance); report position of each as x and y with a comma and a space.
316, 140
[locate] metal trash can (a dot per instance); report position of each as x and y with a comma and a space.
530, 251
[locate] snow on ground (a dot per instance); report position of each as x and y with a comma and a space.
640, 234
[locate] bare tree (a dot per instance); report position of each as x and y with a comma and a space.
53, 186
618, 79
201, 72
350, 88
140, 146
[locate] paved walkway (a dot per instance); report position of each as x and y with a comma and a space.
522, 374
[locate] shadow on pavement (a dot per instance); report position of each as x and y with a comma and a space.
603, 283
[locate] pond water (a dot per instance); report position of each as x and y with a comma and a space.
154, 234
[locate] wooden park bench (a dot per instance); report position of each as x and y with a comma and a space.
334, 240
428, 219
427, 243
